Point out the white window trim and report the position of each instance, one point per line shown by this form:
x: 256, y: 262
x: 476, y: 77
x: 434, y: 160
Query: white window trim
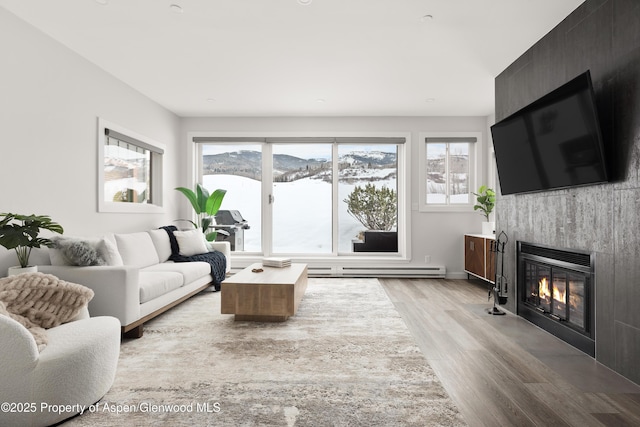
x: 157, y: 174
x: 403, y: 183
x: 474, y: 154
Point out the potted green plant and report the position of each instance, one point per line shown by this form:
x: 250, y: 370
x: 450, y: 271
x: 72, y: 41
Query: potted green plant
x: 205, y: 206
x: 486, y: 201
x: 21, y: 233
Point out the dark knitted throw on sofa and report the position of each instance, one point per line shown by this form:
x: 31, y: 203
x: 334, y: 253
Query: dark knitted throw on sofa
x: 216, y: 259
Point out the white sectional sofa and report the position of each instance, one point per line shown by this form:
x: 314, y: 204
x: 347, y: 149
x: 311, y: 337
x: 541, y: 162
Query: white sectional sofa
x: 138, y: 281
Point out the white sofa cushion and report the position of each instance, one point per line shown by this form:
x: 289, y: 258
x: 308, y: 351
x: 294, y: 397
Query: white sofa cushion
x: 56, y: 257
x: 191, y: 242
x: 162, y: 243
x: 154, y: 284
x: 137, y: 249
x: 191, y: 271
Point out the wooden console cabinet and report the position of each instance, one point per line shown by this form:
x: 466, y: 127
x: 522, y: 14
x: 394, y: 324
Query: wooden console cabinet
x: 479, y: 258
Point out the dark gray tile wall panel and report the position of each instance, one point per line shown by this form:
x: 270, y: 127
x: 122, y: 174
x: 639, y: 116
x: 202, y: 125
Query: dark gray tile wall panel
x: 627, y: 261
x: 603, y: 36
x: 502, y: 86
x: 590, y: 43
x: 626, y: 32
x: 627, y: 351
x: 548, y: 220
x: 589, y: 219
x: 626, y: 128
x: 583, y: 12
x: 605, y: 307
x: 548, y: 59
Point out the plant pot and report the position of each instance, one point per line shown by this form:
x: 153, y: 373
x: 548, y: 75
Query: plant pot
x: 488, y: 228
x: 377, y: 241
x: 19, y: 270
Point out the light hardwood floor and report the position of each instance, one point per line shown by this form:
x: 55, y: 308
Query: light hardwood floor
x: 504, y: 371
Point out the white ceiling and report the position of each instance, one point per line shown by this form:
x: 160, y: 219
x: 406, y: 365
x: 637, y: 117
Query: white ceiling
x: 279, y: 57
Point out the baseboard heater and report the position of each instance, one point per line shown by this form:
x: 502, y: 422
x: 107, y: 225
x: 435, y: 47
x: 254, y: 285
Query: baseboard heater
x: 376, y: 271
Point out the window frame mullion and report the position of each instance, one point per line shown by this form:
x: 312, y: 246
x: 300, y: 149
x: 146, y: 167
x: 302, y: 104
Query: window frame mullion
x: 447, y: 175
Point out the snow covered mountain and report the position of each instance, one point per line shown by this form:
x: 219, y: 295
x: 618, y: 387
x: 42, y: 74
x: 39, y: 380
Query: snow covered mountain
x: 248, y: 163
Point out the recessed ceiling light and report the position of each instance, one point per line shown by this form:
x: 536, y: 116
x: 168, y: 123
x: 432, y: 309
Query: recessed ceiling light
x: 430, y: 100
x: 426, y: 18
x: 305, y: 2
x: 103, y: 2
x: 211, y: 100
x: 320, y: 100
x: 176, y: 8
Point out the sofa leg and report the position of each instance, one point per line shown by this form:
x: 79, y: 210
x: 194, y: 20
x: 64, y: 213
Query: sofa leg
x: 135, y: 332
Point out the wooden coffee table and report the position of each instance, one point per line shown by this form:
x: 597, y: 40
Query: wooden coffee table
x: 269, y: 296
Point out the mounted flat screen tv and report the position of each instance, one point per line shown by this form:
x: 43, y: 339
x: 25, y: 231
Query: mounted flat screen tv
x: 555, y: 142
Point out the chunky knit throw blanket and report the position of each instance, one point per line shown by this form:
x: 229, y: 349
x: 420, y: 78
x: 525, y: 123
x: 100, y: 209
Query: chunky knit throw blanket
x: 41, y: 301
x: 215, y: 259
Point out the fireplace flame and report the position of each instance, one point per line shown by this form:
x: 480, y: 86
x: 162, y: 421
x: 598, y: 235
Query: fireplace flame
x: 560, y: 296
x: 544, y: 290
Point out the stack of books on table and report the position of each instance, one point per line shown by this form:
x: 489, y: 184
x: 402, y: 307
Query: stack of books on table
x: 276, y: 262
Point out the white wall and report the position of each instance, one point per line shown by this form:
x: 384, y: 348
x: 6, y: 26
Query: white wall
x: 438, y: 235
x: 49, y: 104
x: 50, y: 99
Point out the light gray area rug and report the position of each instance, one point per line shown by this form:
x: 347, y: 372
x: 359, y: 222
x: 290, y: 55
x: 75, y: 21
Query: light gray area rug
x: 345, y: 359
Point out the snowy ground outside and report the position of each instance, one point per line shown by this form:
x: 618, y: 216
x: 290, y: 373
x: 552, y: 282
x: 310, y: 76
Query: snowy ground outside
x: 301, y: 212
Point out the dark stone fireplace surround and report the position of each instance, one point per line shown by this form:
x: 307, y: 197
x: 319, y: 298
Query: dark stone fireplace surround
x: 601, y: 36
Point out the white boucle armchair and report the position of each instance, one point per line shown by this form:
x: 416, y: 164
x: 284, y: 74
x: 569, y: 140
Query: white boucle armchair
x: 76, y: 368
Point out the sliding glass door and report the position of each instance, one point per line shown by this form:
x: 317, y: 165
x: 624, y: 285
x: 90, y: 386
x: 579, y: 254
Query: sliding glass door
x: 302, y: 197
x: 367, y: 191
x: 236, y: 168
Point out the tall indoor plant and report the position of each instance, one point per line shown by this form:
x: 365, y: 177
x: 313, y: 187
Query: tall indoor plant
x: 22, y: 233
x: 205, y: 206
x: 486, y: 201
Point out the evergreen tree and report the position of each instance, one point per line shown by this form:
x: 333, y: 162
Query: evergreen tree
x: 375, y: 208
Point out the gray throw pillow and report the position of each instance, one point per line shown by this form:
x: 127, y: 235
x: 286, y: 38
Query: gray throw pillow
x: 79, y: 252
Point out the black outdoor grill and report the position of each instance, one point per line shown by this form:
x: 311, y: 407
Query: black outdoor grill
x: 233, y: 223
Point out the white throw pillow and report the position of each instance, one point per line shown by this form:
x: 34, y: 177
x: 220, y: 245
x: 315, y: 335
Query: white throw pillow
x: 190, y: 242
x: 162, y: 243
x: 108, y: 251
x: 137, y: 249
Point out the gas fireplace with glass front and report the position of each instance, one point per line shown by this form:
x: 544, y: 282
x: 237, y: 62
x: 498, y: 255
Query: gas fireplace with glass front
x: 555, y: 292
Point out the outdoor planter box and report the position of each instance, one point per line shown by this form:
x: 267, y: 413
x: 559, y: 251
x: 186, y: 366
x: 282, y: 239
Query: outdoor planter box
x: 377, y: 241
